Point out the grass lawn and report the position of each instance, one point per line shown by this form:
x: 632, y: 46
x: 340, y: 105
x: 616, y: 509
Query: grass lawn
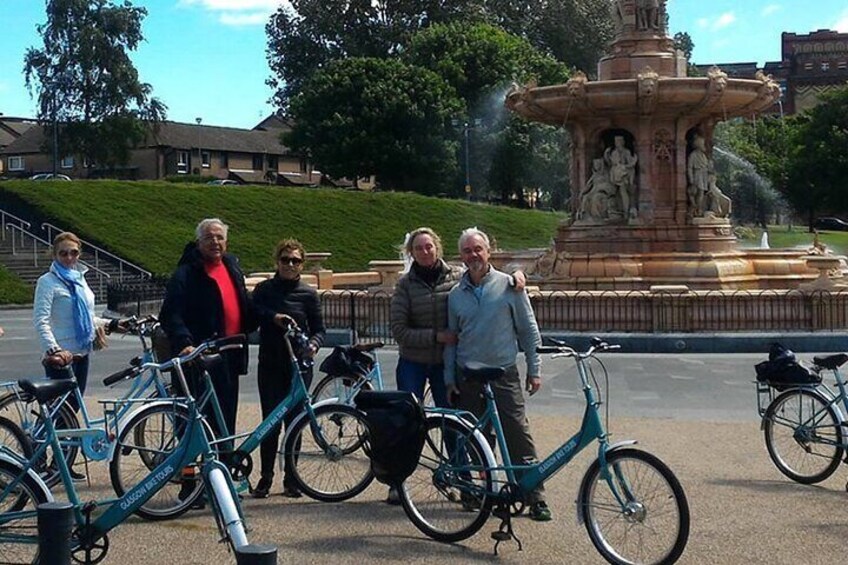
x: 150, y: 222
x: 12, y: 289
x: 799, y: 236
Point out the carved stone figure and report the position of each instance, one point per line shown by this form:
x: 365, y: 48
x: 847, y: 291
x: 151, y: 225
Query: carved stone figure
x: 598, y: 201
x: 717, y: 203
x: 648, y: 15
x: 699, y: 167
x: 622, y: 166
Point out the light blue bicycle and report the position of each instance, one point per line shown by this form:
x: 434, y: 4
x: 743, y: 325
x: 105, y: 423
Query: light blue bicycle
x: 633, y: 507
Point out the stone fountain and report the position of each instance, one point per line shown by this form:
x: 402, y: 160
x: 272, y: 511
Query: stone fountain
x: 646, y: 209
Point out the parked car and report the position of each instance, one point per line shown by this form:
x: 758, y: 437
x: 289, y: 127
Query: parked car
x: 830, y: 224
x: 50, y: 176
x: 220, y: 182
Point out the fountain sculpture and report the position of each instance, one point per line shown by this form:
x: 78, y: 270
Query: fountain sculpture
x: 646, y: 209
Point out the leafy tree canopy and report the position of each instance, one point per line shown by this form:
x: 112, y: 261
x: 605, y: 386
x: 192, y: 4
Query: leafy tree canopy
x: 364, y: 116
x: 86, y: 81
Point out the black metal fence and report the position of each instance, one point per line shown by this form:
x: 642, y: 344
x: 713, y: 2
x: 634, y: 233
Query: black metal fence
x: 367, y: 313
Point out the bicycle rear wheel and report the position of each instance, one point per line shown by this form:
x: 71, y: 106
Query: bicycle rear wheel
x: 341, y: 387
x: 325, y: 456
x: 803, y: 436
x: 144, y: 443
x: 653, y: 524
x: 19, y: 535
x: 13, y: 437
x: 447, y: 496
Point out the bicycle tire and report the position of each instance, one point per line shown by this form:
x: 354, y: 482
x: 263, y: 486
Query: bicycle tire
x: 65, y: 419
x: 13, y: 437
x: 154, y: 430
x: 340, y: 387
x: 656, y: 509
x: 804, y: 453
x: 338, y: 470
x: 443, y: 501
x: 25, y: 498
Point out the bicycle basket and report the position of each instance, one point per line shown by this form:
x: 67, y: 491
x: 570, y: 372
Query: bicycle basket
x: 783, y: 371
x: 347, y: 360
x: 396, y: 430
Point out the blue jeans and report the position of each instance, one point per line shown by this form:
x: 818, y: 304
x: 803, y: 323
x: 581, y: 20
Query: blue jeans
x: 412, y: 376
x: 80, y: 371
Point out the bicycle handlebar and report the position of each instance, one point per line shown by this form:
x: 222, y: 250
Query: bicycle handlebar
x: 207, y: 347
x: 562, y: 350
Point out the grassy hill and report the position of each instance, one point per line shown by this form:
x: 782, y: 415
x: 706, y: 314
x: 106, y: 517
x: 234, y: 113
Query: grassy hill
x: 150, y: 222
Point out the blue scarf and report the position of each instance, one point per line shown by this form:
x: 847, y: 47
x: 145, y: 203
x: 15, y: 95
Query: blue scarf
x: 83, y: 318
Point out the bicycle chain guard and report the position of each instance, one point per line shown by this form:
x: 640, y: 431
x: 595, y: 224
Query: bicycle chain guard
x: 96, y: 447
x: 240, y: 465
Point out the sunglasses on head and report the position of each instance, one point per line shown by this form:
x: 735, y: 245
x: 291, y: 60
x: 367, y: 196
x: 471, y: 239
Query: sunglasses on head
x: 294, y: 261
x: 68, y: 253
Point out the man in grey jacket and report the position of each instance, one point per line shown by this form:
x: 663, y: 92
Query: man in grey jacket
x: 490, y: 320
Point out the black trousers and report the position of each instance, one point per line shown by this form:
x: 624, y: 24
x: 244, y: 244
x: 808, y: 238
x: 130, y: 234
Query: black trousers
x: 225, y: 381
x: 274, y: 386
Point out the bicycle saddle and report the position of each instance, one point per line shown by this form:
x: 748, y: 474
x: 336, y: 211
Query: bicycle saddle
x: 482, y: 373
x: 831, y: 361
x: 46, y: 390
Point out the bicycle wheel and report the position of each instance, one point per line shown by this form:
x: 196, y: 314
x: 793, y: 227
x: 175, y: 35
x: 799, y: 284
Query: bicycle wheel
x: 145, y: 442
x: 341, y: 387
x: 64, y: 419
x: 325, y: 455
x: 13, y: 437
x: 19, y: 535
x: 803, y: 436
x: 447, y: 496
x: 653, y: 525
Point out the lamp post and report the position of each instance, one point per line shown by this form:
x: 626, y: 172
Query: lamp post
x: 466, y: 127
x: 199, y: 155
x: 55, y: 138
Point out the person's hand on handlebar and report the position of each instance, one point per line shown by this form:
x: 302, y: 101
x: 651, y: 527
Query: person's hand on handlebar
x: 284, y: 321
x: 533, y: 384
x: 58, y: 359
x: 186, y: 350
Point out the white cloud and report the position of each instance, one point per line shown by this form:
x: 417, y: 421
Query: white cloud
x: 716, y: 23
x: 841, y: 24
x: 237, y: 12
x: 724, y: 20
x: 770, y: 9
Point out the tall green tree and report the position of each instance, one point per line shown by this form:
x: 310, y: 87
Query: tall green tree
x: 366, y: 116
x: 480, y: 61
x: 305, y: 35
x: 86, y: 82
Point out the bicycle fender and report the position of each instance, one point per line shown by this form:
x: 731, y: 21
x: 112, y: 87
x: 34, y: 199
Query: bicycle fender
x: 484, y: 443
x: 581, y: 517
x: 32, y: 474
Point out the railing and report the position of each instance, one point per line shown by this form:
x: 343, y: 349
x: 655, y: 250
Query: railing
x: 6, y: 218
x: 40, y: 248
x: 367, y: 313
x: 98, y: 252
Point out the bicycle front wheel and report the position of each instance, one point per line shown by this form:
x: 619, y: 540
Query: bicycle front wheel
x: 650, y: 522
x: 325, y: 455
x: 145, y: 442
x: 341, y: 387
x: 19, y: 534
x: 447, y: 496
x: 803, y: 436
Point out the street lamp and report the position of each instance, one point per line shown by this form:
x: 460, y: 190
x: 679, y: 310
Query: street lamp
x: 466, y: 127
x: 199, y: 155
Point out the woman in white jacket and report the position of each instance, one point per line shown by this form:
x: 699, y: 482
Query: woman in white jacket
x: 63, y: 313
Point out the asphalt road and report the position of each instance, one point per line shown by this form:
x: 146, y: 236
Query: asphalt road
x: 696, y: 412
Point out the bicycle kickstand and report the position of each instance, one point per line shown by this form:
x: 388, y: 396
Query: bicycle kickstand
x: 505, y: 531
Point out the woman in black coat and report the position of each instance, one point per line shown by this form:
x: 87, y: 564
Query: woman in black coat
x: 278, y: 302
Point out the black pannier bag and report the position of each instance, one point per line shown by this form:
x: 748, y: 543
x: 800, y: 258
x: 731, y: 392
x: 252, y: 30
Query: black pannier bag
x: 347, y: 360
x: 396, y: 430
x: 783, y: 371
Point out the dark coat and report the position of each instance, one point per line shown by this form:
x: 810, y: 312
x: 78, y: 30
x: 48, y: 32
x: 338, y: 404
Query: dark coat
x: 295, y: 299
x: 193, y: 310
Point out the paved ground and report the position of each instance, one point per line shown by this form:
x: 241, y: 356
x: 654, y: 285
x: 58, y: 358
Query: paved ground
x: 697, y: 412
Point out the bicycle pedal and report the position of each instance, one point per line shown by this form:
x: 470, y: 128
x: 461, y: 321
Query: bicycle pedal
x: 501, y: 536
x: 243, y: 486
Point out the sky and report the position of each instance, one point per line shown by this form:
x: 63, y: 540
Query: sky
x: 206, y: 58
